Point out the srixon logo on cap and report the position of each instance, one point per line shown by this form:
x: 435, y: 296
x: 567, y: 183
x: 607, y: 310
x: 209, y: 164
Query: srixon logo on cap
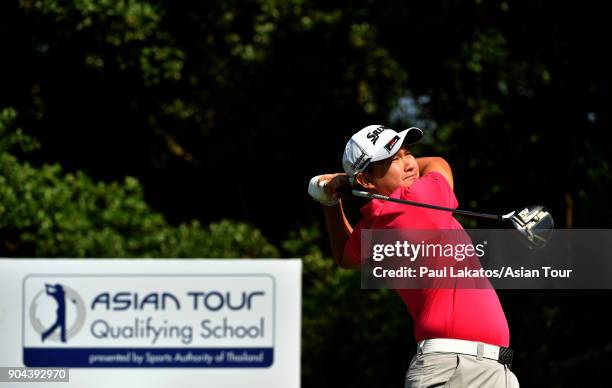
x: 391, y: 143
x: 373, y: 136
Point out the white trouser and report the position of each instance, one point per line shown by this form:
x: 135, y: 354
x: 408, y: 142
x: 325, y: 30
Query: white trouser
x: 458, y: 363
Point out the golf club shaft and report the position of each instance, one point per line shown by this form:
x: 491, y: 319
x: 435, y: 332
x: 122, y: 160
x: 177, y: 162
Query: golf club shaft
x: 365, y: 194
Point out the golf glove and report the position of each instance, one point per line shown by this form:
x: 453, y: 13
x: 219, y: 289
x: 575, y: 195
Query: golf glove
x: 316, y: 190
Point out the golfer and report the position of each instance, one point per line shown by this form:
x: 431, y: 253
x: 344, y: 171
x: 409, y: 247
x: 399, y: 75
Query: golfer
x: 462, y: 334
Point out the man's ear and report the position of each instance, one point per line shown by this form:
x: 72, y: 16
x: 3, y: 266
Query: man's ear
x: 364, y: 180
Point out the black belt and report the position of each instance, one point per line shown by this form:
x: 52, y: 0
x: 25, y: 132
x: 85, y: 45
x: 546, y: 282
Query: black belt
x: 505, y: 356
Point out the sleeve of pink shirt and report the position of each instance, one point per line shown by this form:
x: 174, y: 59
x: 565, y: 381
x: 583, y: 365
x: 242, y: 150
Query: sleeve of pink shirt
x: 432, y: 188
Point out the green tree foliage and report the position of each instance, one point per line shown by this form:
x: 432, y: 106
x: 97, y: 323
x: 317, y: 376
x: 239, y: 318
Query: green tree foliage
x: 45, y: 212
x: 516, y: 90
x: 172, y: 91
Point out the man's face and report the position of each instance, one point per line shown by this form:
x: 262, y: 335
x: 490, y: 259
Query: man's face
x: 387, y: 175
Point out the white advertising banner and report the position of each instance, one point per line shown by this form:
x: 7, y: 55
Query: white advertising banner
x: 154, y: 323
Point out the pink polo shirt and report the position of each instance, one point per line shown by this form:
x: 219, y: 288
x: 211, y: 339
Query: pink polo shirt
x: 459, y: 313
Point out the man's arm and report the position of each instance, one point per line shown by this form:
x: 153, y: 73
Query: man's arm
x: 339, y: 230
x: 429, y: 164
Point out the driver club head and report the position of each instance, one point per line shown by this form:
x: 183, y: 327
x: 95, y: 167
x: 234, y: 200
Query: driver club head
x: 534, y: 224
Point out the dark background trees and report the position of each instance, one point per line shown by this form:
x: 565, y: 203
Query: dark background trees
x: 225, y: 109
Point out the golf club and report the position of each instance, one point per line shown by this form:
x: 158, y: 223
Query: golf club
x: 534, y: 223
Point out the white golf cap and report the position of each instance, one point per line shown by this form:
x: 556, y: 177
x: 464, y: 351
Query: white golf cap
x: 374, y: 143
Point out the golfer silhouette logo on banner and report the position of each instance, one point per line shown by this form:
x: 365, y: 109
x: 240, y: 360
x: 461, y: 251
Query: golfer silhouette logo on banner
x: 67, y: 318
x: 57, y: 292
